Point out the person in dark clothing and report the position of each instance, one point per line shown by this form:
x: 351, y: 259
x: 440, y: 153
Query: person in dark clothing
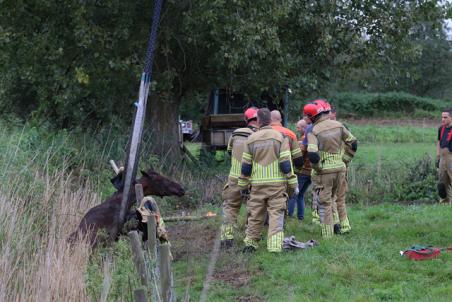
x: 444, y: 156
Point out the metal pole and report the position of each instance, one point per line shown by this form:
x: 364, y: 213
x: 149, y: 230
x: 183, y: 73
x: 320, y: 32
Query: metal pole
x: 286, y: 105
x: 133, y: 152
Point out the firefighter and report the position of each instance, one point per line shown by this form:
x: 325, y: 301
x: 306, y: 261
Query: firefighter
x: 331, y: 112
x: 267, y: 167
x: 444, y: 156
x: 325, y: 152
x: 232, y: 199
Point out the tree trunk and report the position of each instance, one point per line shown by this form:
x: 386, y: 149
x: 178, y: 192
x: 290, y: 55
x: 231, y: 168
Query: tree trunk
x: 163, y: 125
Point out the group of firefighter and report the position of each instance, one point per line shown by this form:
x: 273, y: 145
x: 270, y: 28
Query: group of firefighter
x: 271, y: 169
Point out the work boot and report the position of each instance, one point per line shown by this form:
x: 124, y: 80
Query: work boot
x: 249, y: 249
x: 227, y: 244
x: 337, y: 228
x: 250, y: 243
x: 345, y: 226
x: 327, y: 230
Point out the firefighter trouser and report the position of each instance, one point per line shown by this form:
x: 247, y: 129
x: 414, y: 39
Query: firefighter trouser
x: 329, y: 187
x: 232, y: 201
x: 271, y: 199
x: 445, y: 174
x: 315, y: 208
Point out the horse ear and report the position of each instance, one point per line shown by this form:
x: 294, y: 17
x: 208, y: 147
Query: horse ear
x: 145, y: 174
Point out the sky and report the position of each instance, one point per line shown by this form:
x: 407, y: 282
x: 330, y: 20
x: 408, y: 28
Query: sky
x: 449, y: 25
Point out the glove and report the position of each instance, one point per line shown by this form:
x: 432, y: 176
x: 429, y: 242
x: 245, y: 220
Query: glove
x: 245, y: 193
x: 292, y: 191
x: 437, y: 163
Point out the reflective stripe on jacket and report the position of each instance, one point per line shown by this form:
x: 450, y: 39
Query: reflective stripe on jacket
x: 235, y: 148
x: 266, y: 159
x: 327, y: 139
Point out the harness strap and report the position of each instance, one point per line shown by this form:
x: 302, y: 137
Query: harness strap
x: 449, y: 136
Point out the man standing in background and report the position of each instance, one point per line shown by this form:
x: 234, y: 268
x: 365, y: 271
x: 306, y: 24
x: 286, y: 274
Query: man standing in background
x: 444, y: 156
x: 303, y: 175
x: 295, y: 151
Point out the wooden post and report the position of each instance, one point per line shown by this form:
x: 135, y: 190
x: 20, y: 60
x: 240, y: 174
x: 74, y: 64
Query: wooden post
x: 138, y: 257
x: 165, y: 273
x: 140, y: 295
x: 114, y: 166
x: 139, y: 193
x: 107, y: 278
x: 152, y: 237
x: 187, y: 218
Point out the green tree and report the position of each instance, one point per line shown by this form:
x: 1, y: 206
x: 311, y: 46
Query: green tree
x: 79, y: 62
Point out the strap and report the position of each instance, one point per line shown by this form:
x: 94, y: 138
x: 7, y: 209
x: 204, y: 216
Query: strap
x: 422, y: 250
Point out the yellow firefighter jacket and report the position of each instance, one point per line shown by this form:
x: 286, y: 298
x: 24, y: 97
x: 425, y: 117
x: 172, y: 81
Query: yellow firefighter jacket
x: 266, y: 160
x: 330, y: 144
x: 235, y: 148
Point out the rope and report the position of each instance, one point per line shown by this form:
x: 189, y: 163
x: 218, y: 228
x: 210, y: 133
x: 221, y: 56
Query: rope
x: 211, y: 268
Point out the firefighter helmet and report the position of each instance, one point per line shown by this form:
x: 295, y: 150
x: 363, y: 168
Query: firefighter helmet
x: 311, y: 110
x: 323, y: 104
x: 250, y: 113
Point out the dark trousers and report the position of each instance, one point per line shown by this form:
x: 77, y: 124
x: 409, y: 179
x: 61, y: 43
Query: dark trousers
x: 303, y: 184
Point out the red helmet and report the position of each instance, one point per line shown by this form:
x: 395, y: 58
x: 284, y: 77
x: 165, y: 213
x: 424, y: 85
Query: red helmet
x: 312, y: 110
x: 250, y: 113
x: 323, y: 104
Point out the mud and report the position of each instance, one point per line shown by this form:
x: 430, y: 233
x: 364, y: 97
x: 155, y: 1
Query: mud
x: 191, y: 239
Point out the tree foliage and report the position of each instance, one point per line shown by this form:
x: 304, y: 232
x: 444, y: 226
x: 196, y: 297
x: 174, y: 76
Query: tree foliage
x: 78, y: 62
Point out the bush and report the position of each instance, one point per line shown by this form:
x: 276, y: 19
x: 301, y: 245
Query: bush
x: 392, y: 104
x: 401, y: 181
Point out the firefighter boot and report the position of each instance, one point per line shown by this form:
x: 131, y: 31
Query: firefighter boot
x: 327, y: 230
x: 227, y: 235
x: 336, y: 221
x: 345, y: 226
x: 275, y: 242
x: 251, y: 245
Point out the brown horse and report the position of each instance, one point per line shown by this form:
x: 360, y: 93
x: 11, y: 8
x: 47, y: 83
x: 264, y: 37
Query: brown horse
x: 105, y: 216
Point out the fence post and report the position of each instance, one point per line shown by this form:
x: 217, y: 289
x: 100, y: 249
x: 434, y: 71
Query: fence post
x: 106, y: 284
x: 165, y: 273
x: 138, y: 256
x: 139, y: 193
x: 152, y: 237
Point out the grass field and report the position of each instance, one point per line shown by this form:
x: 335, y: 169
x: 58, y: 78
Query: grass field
x: 362, y: 266
x: 49, y: 179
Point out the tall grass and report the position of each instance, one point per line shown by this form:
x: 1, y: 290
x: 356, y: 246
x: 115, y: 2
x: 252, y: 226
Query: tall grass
x: 36, y: 262
x: 48, y: 180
